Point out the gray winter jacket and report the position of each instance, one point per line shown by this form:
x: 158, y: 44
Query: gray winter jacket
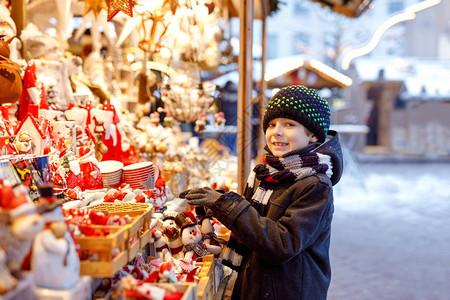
x: 289, y: 248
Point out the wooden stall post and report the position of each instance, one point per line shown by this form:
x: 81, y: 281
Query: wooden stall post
x: 18, y: 14
x: 245, y: 60
x: 262, y: 97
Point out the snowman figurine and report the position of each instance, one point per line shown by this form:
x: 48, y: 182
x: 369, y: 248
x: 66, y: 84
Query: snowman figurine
x: 161, y: 247
x: 172, y: 234
x: 193, y: 246
x: 209, y: 237
x: 54, y: 258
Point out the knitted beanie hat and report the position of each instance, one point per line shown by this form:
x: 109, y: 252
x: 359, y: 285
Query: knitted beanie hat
x: 300, y: 104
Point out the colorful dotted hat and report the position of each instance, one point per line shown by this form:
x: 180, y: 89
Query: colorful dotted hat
x: 301, y: 104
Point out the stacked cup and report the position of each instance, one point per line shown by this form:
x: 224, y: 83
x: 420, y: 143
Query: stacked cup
x: 111, y: 172
x: 136, y: 174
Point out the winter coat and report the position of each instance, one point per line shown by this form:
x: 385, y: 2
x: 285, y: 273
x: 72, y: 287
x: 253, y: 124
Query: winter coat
x: 289, y: 248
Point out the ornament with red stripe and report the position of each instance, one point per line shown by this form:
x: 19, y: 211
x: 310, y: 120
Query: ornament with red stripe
x: 114, y: 6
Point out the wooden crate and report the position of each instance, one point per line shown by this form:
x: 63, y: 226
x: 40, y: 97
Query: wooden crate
x: 139, y: 229
x: 224, y: 233
x: 206, y: 286
x: 106, y: 265
x: 189, y: 290
x: 145, y: 237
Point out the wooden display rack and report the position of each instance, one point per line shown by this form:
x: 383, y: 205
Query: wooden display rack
x: 107, y: 265
x: 139, y: 230
x: 129, y: 239
x: 206, y: 290
x: 189, y: 290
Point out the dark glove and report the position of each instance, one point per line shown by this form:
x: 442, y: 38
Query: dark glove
x: 184, y: 193
x: 204, y: 196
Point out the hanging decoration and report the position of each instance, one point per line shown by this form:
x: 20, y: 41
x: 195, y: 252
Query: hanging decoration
x: 174, y: 4
x: 114, y: 6
x: 95, y: 5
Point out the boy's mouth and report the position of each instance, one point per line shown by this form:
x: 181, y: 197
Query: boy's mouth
x: 280, y: 144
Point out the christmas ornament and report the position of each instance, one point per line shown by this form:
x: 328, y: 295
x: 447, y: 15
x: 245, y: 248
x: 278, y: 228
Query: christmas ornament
x: 95, y: 5
x: 114, y: 6
x: 10, y: 79
x: 173, y: 5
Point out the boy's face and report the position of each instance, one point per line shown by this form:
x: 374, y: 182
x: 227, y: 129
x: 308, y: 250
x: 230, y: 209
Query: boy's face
x: 286, y: 135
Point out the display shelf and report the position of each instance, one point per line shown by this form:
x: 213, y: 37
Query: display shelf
x: 81, y: 291
x: 23, y: 290
x: 189, y: 291
x: 206, y: 286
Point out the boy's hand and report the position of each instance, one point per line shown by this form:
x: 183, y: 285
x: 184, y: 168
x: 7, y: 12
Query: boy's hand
x: 204, y: 196
x: 184, y: 193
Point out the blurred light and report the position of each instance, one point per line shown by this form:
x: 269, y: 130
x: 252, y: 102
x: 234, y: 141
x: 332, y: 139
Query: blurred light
x: 274, y: 91
x: 51, y: 31
x: 278, y: 72
x: 324, y: 69
x: 408, y: 14
x: 130, y: 57
x: 154, y: 66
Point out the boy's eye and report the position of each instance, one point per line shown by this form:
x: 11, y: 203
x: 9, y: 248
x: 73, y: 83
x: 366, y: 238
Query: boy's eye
x: 289, y: 124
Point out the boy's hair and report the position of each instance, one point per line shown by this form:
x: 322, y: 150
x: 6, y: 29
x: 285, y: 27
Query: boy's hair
x: 300, y: 104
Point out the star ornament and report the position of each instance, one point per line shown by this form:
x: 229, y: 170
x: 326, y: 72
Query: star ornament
x: 149, y: 183
x: 95, y: 5
x: 114, y: 6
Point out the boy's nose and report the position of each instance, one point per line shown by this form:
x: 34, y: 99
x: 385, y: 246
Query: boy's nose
x: 278, y: 130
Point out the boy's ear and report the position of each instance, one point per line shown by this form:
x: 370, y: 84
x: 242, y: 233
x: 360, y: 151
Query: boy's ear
x: 313, y: 139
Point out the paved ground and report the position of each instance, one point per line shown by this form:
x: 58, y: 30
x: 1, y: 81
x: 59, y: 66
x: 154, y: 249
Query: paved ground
x: 391, y: 240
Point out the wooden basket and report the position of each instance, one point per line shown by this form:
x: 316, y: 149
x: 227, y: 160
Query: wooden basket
x: 120, y: 207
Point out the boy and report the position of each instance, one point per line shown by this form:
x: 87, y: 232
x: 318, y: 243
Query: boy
x: 281, y: 226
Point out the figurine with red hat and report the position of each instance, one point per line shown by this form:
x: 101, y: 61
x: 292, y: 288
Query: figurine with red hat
x: 172, y: 234
x: 209, y: 237
x: 19, y: 224
x: 191, y: 236
x: 71, y: 165
x: 92, y: 178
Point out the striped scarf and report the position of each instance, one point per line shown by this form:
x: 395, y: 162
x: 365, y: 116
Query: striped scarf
x: 278, y: 170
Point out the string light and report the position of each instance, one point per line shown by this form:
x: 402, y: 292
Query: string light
x: 408, y: 14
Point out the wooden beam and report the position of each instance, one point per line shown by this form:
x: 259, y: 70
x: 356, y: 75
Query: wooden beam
x: 18, y: 14
x: 245, y: 60
x: 262, y: 97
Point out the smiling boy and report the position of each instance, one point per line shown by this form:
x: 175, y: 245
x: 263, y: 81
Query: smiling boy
x: 281, y: 226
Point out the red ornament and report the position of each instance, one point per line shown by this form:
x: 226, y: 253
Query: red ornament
x: 114, y: 6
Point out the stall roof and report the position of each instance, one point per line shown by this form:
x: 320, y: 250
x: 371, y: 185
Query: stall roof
x: 422, y: 78
x: 313, y: 73
x: 262, y: 8
x: 351, y: 9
